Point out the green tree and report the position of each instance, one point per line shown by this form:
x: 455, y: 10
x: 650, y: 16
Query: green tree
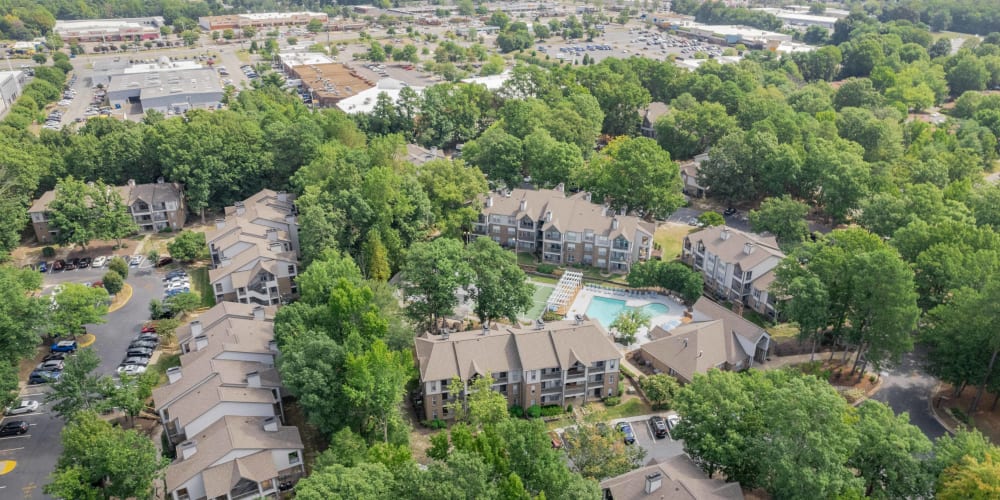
x: 453, y: 190
x: 889, y: 454
x: 374, y: 385
x: 634, y: 175
x: 375, y: 52
x: 376, y: 261
x: 100, y: 460
x: 498, y: 154
x: 966, y: 72
x: 500, y: 287
x: 188, y: 246
x: 783, y: 217
x: 711, y: 219
x: 113, y: 282
x: 112, y: 219
x: 548, y: 161
x: 432, y: 274
x: 482, y: 406
x: 118, y: 265
x: 131, y: 393
x: 809, y: 310
x: 182, y: 302
x: 314, y: 26
x: 77, y: 305
x: 627, y: 324
x: 190, y: 37
x: 78, y: 389
x: 692, y: 127
x: 71, y: 213
x: 600, y: 455
x: 660, y: 389
x: 971, y: 479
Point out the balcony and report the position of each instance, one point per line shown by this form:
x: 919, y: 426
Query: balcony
x: 552, y: 376
x: 619, y: 257
x: 575, y: 376
x: 588, y: 238
x: 256, y: 297
x: 526, y: 225
x: 479, y: 229
x: 553, y: 247
x: 548, y: 391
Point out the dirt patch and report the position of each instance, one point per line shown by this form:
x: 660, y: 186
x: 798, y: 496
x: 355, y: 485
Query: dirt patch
x: 32, y: 253
x: 854, y: 388
x: 314, y: 442
x: 953, y: 410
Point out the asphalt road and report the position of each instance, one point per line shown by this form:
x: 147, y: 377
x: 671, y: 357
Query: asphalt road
x: 37, y: 451
x: 907, y: 388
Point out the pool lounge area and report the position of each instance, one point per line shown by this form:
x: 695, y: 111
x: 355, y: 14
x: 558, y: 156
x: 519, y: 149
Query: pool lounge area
x: 604, y: 304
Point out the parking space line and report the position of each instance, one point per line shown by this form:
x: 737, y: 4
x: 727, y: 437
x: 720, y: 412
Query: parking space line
x: 11, y: 449
x: 16, y: 437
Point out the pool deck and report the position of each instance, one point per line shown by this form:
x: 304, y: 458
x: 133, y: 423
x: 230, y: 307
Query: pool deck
x: 675, y: 315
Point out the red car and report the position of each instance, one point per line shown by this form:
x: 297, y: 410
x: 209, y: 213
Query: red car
x: 149, y: 328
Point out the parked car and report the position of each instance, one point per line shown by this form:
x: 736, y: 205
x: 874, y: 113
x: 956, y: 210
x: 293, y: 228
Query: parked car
x: 71, y: 264
x: 43, y: 377
x: 135, y: 360
x: 54, y: 355
x: 43, y: 266
x: 176, y: 273
x: 672, y: 421
x: 148, y: 328
x: 14, y: 428
x: 166, y: 259
x: 99, y: 262
x: 626, y: 429
x: 659, y: 426
x: 143, y: 344
x: 139, y: 352
x: 59, y: 265
x: 84, y: 262
x: 131, y: 369
x: 147, y: 337
x: 50, y: 365
x: 64, y: 346
x: 136, y: 261
x: 22, y: 407
x: 729, y: 211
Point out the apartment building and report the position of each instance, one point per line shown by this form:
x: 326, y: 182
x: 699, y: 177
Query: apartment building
x: 716, y: 337
x: 565, y: 229
x: 222, y: 409
x: 556, y: 363
x: 154, y: 207
x: 676, y: 478
x: 735, y: 265
x: 255, y: 250
x: 650, y: 116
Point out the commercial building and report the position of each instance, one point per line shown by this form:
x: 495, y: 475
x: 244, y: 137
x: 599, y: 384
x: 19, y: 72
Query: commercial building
x: 329, y: 83
x: 734, y: 34
x: 108, y: 30
x: 677, y: 478
x: 255, y: 250
x: 364, y: 101
x: 260, y: 20
x: 555, y: 363
x: 166, y: 89
x: 153, y: 207
x: 565, y: 230
x: 799, y: 18
x: 222, y: 408
x: 736, y: 265
x: 11, y: 83
x: 715, y: 337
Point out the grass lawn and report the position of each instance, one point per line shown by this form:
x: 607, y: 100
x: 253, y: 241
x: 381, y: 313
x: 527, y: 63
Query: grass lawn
x: 526, y: 259
x: 201, y: 285
x: 629, y: 408
x: 543, y: 279
x: 670, y: 238
x: 783, y: 331
x: 165, y: 362
x: 538, y: 301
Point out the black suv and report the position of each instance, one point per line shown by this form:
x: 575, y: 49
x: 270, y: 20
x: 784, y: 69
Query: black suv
x: 14, y: 428
x: 659, y: 426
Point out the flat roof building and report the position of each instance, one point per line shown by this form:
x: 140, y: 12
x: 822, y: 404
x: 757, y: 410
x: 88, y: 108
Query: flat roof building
x: 260, y: 20
x: 364, y: 102
x: 167, y: 90
x: 11, y: 84
x: 733, y: 34
x: 105, y: 30
x: 329, y: 83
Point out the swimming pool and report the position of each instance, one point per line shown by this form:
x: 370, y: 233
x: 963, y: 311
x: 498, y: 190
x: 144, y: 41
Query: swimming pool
x: 605, y: 309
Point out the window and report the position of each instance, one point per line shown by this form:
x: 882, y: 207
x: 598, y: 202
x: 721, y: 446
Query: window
x: 291, y: 269
x: 293, y: 457
x: 218, y: 288
x: 266, y: 484
x: 496, y: 229
x: 182, y: 494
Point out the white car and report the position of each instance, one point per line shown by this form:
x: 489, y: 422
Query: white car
x: 25, y: 406
x: 131, y: 369
x: 99, y: 262
x: 136, y: 261
x: 672, y: 421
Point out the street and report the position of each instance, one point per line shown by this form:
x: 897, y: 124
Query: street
x: 907, y: 388
x: 37, y: 451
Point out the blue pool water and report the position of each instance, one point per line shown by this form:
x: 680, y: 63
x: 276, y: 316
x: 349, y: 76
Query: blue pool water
x: 605, y: 310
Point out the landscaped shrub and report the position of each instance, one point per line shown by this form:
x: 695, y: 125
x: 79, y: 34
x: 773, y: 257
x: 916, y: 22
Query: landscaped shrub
x: 546, y: 268
x: 534, y: 411
x: 516, y: 411
x: 625, y: 371
x: 48, y: 252
x: 569, y: 408
x: 612, y: 401
x: 551, y: 410
x: 551, y: 316
x: 437, y: 423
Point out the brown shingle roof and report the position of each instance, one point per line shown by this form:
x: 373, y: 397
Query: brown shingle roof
x: 569, y: 213
x: 149, y: 193
x: 730, y: 245
x: 681, y: 480
x: 560, y: 344
x: 693, y: 348
x: 226, y: 435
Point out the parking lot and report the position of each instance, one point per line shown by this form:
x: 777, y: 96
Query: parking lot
x: 37, y: 451
x: 659, y: 449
